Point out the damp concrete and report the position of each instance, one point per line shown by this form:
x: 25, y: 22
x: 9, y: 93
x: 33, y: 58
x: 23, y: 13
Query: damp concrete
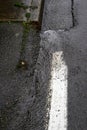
x: 56, y: 59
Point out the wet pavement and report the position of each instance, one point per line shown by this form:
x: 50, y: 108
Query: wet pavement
x: 26, y: 94
x: 21, y: 10
x: 17, y: 91
x: 13, y: 10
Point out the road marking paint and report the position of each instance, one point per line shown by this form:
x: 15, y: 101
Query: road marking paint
x: 58, y: 112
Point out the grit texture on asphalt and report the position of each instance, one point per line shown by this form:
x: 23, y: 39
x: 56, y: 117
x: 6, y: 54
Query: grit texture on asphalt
x: 25, y: 94
x: 19, y: 106
x: 73, y: 34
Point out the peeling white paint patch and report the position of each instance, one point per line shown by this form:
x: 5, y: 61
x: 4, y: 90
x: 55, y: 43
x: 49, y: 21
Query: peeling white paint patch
x: 58, y: 112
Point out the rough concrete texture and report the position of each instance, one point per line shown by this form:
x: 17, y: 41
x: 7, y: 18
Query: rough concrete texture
x: 18, y: 105
x: 26, y: 95
x: 11, y: 10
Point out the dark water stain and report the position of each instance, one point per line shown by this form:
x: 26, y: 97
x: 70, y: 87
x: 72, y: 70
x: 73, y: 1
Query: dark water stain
x: 8, y: 10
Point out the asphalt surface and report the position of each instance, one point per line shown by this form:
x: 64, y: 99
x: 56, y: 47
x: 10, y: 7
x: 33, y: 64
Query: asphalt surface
x: 71, y: 25
x: 25, y: 94
x: 17, y: 93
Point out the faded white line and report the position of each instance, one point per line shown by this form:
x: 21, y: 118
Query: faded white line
x: 58, y: 112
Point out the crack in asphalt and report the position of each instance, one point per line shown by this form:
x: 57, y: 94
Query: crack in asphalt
x: 74, y: 21
x: 72, y: 12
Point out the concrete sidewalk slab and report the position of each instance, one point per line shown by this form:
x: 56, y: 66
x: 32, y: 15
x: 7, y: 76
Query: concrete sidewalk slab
x: 24, y: 10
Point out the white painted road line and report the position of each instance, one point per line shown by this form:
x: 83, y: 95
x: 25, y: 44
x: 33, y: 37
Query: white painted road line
x: 51, y: 45
x: 58, y: 112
